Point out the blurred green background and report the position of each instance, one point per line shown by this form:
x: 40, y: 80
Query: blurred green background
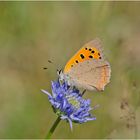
x: 33, y: 32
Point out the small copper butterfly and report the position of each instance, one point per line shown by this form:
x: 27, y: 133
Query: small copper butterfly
x: 88, y: 68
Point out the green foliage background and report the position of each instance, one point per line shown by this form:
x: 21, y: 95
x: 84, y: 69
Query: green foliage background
x: 33, y: 32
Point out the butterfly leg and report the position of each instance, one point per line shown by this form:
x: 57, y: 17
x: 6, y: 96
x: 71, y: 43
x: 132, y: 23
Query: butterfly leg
x: 83, y: 92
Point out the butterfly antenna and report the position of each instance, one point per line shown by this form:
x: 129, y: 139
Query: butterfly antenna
x: 51, y: 62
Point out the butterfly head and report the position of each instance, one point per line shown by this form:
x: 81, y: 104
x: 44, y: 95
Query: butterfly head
x: 65, y: 78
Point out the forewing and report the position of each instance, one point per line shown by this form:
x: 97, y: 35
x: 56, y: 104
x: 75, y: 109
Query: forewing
x: 91, y: 50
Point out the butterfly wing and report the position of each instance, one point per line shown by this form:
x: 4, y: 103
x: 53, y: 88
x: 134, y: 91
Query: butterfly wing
x: 88, y: 67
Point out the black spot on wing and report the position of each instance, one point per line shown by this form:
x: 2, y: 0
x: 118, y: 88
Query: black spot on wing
x: 90, y: 56
x: 76, y: 61
x: 82, y: 56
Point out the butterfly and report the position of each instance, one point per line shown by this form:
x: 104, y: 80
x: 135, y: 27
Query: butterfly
x: 88, y: 68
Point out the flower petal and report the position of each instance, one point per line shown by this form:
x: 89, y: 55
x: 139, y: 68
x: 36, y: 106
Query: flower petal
x: 46, y: 92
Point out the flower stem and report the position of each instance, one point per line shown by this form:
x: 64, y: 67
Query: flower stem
x: 49, y: 134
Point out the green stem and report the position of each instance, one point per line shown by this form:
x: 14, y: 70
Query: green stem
x: 49, y: 134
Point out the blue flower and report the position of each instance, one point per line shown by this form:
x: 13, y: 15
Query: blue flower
x: 69, y: 104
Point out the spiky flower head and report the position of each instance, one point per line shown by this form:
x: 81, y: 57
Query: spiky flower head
x: 69, y: 104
